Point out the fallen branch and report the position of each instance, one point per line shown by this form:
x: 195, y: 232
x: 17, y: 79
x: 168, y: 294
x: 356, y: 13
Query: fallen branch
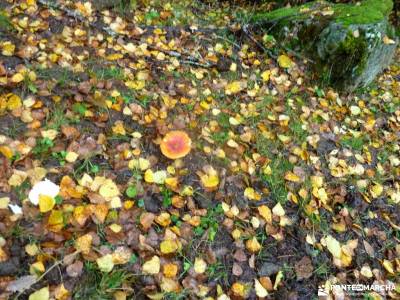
x: 56, y: 264
x: 254, y: 40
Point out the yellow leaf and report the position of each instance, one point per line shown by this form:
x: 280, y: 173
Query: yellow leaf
x: 118, y: 128
x: 278, y: 210
x: 71, y: 156
x: 152, y: 266
x: 46, y: 203
x: 376, y: 190
x: 50, y: 134
x: 253, y: 245
x: 200, y: 265
x: 284, y: 138
x: 251, y: 194
x: 42, y: 294
x: 260, y: 290
x: 32, y: 249
x: 233, y: 88
x: 105, y: 263
x: 148, y: 176
x: 169, y: 285
x: 239, y: 289
x: 172, y: 182
x: 6, y: 151
x: 4, y: 201
x: 284, y: 61
x: 164, y: 219
x: 8, y: 49
x: 317, y: 181
x: 13, y: 102
x: 109, y: 189
x: 265, y: 75
x: 388, y: 266
x: 209, y: 181
x: 388, y: 41
x: 84, y: 243
x: 290, y: 176
x: 16, y: 78
x: 170, y: 270
x: 333, y: 246
x: 115, y: 227
x: 159, y: 176
x: 37, y: 268
x: 168, y: 246
x: 265, y: 212
x: 56, y: 221
x: 366, y: 272
x: 61, y: 293
x: 278, y: 279
x: 114, y: 56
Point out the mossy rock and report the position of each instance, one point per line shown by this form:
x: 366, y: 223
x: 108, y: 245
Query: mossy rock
x: 351, y: 43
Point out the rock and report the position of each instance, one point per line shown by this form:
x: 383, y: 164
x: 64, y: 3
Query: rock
x: 9, y: 268
x: 152, y: 203
x: 349, y: 43
x: 268, y: 269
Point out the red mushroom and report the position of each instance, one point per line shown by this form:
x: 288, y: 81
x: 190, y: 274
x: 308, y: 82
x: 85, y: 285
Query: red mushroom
x: 176, y: 144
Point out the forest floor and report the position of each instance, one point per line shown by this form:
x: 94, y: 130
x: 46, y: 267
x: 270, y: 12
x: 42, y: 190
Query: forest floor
x: 288, y: 185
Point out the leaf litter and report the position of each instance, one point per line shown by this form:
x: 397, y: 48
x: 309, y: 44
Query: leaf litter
x: 143, y: 160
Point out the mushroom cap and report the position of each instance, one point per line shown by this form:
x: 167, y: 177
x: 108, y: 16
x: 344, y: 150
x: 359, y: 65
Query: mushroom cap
x: 176, y: 144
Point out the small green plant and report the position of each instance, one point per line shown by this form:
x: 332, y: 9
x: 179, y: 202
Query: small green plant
x: 79, y: 108
x: 99, y: 285
x: 109, y: 73
x: 43, y: 146
x: 22, y: 190
x: 355, y: 143
x: 60, y: 156
x: 167, y: 197
x: 5, y: 22
x: 210, y: 222
x: 275, y: 181
x: 220, y: 137
x: 131, y: 191
x: 217, y: 272
x: 86, y: 166
x: 56, y: 118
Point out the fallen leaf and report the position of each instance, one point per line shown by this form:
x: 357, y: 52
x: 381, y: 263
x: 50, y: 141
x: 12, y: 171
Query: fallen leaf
x: 46, y: 203
x: 105, y: 263
x: 200, y: 265
x: 284, y: 61
x: 333, y: 246
x: 152, y: 266
x: 42, y: 294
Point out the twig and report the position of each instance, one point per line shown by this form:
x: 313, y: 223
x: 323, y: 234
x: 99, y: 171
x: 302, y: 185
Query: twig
x: 259, y: 45
x: 56, y: 264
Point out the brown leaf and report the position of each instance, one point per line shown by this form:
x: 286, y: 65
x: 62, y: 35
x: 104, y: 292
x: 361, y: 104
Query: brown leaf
x: 240, y: 255
x: 146, y: 219
x: 70, y: 132
x: 237, y: 269
x: 369, y: 249
x: 304, y: 268
x: 75, y: 269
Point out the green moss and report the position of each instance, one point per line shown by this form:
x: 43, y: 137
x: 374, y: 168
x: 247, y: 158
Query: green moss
x: 286, y: 12
x: 353, y: 55
x: 369, y: 11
